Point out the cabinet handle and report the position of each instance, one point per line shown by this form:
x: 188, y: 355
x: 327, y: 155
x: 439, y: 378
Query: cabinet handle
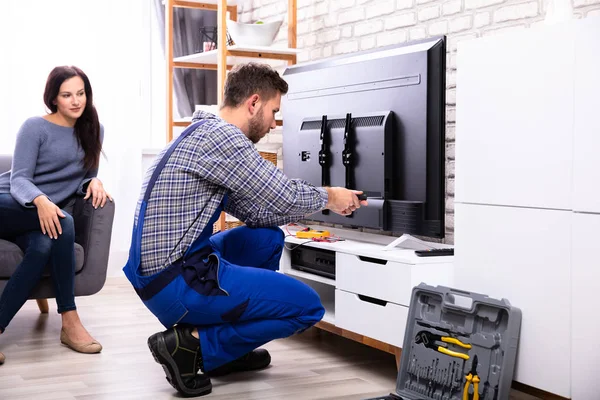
x: 372, y: 260
x: 372, y: 300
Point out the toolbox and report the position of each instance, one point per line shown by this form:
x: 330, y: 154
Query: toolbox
x: 458, y: 346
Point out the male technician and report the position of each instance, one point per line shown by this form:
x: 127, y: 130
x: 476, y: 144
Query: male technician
x: 220, y: 296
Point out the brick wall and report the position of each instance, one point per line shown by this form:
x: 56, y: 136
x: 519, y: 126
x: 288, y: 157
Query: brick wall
x: 330, y: 27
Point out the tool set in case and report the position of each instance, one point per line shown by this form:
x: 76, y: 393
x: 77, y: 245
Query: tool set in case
x: 458, y: 346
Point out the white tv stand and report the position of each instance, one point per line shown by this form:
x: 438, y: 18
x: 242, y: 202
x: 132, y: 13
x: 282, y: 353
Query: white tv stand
x: 369, y: 298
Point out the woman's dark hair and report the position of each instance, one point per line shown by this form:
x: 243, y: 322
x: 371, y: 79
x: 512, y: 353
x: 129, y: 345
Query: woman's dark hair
x: 87, y: 127
x: 246, y: 79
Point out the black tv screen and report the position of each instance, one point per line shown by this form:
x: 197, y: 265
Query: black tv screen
x: 373, y: 121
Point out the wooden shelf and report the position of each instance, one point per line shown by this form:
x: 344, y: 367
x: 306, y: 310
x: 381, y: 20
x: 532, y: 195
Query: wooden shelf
x: 237, y: 55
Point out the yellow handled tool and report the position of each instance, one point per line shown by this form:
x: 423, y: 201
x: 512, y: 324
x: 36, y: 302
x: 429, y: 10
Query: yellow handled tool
x: 453, y: 353
x: 472, y: 378
x: 428, y: 339
x: 455, y: 341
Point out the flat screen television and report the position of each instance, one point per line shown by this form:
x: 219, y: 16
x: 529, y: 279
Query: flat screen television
x: 373, y: 121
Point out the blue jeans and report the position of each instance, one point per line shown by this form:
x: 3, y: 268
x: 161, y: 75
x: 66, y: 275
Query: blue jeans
x: 261, y: 304
x: 22, y: 226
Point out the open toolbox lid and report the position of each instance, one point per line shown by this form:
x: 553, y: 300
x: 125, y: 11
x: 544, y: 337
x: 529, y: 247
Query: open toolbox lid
x: 446, y: 330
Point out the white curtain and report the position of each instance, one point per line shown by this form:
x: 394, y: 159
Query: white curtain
x: 110, y: 41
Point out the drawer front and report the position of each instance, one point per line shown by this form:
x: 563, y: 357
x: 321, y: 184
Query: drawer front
x: 386, y: 323
x: 387, y: 280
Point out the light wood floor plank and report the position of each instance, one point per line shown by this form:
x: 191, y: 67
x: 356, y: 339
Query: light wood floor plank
x: 311, y: 366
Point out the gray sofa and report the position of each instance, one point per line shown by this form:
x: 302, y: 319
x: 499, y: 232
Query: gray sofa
x: 93, y: 229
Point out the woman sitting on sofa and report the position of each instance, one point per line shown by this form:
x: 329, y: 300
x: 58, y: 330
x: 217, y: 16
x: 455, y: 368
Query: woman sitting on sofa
x: 56, y: 158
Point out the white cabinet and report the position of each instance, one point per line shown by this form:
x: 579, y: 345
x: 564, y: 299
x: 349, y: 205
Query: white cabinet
x: 370, y: 294
x: 585, y: 283
x: 586, y: 185
x: 514, y: 119
x: 523, y: 255
x: 527, y: 206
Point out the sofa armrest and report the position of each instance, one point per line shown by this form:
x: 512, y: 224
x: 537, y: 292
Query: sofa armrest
x: 93, y: 231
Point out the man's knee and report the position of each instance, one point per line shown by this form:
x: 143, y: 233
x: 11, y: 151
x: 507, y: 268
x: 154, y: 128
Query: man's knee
x: 313, y: 310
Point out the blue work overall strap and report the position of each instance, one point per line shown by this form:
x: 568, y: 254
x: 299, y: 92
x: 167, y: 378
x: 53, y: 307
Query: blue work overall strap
x: 170, y: 273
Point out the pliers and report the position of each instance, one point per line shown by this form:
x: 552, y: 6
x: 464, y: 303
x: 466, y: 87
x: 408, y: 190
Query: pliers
x: 473, y: 378
x: 428, y: 339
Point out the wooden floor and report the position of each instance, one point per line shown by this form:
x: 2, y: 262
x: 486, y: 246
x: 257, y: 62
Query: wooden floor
x: 314, y: 365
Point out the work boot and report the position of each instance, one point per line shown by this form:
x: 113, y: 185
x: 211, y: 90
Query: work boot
x: 179, y: 353
x: 255, y: 360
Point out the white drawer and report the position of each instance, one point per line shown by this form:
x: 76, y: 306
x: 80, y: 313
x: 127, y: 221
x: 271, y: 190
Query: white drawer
x: 383, y: 322
x: 388, y: 280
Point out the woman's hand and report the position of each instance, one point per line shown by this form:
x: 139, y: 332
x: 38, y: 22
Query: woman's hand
x: 48, y: 213
x: 99, y: 195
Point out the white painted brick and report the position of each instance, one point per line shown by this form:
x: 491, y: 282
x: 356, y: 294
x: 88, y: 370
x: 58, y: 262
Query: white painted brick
x: 327, y: 51
x: 516, y: 11
x: 449, y: 203
x: 316, y: 25
x: 460, y: 24
x: 367, y: 43
x: 305, y: 13
x: 450, y: 114
x: 451, y: 132
x: 367, y: 28
x: 449, y: 237
x: 580, y: 3
x: 302, y: 28
x: 450, y: 170
x: 417, y: 33
x: 453, y: 40
x: 470, y: 4
x: 256, y: 14
x: 246, y: 18
x: 451, y: 79
x: 387, y: 38
x: 503, y: 30
x: 451, y: 151
x: 380, y: 8
x: 451, y: 61
x: 451, y: 97
x: 341, y: 4
x: 317, y: 53
x: 309, y: 40
x: 593, y: 13
x: 404, y: 4
x: 299, y: 3
x: 428, y: 13
x: 451, y: 7
x: 345, y: 47
x: 303, y: 56
x: 450, y: 222
x: 361, y: 2
x: 400, y: 21
x: 347, y: 32
x: 351, y: 16
x: 481, y: 19
x: 321, y: 9
x: 424, y: 1
x: 330, y: 20
x: 438, y: 28
x: 272, y: 9
x: 450, y: 187
x: 329, y: 36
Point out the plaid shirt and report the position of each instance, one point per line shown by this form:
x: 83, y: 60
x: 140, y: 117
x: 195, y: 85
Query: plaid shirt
x: 215, y: 160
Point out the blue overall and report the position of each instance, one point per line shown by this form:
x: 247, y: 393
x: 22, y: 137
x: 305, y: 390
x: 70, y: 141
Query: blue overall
x: 226, y: 285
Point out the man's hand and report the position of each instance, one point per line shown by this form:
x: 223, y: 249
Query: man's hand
x: 343, y: 201
x: 99, y: 195
x: 48, y: 212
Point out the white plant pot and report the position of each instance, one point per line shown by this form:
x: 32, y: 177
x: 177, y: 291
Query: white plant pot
x: 253, y: 34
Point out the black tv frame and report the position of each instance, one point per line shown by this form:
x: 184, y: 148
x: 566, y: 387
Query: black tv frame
x: 405, y: 82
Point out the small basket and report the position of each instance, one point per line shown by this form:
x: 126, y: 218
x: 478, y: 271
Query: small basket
x: 234, y: 224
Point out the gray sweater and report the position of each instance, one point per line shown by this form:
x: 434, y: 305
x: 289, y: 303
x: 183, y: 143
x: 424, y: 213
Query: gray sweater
x: 47, y: 161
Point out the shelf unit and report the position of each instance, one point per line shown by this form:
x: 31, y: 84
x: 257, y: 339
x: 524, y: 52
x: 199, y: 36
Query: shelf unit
x: 224, y: 57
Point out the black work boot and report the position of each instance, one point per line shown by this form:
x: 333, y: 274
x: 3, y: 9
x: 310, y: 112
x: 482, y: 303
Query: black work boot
x: 255, y: 360
x: 179, y: 353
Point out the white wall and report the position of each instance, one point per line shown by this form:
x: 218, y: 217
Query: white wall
x: 110, y: 41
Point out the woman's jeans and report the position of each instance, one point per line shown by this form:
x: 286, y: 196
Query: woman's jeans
x: 21, y: 225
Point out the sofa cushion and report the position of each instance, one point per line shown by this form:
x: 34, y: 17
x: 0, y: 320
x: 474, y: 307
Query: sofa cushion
x: 11, y: 255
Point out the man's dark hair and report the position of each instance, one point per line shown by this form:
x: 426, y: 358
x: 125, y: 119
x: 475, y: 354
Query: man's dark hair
x: 244, y: 80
